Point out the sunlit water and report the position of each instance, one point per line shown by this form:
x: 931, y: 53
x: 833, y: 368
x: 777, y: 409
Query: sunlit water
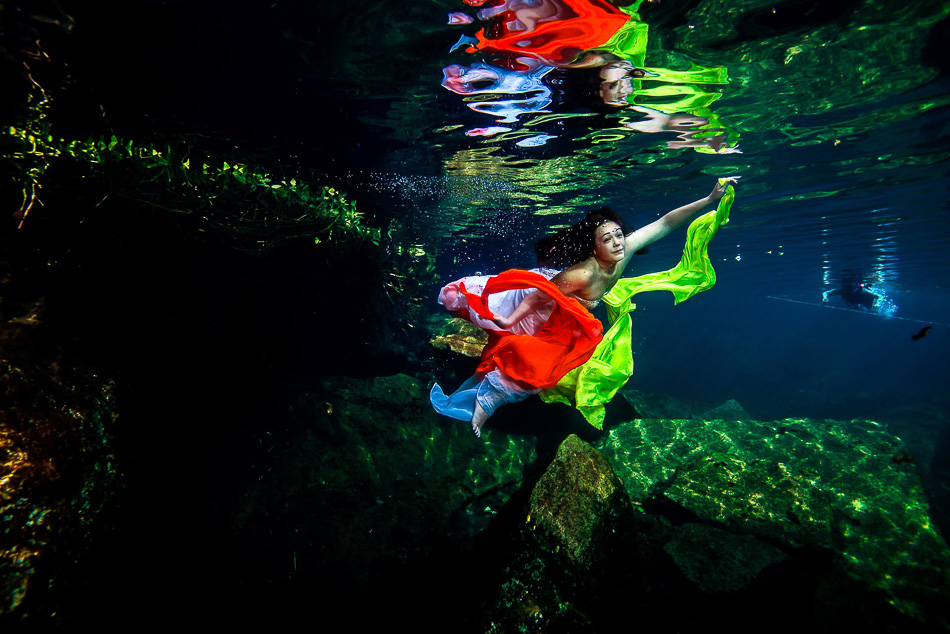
x: 839, y: 113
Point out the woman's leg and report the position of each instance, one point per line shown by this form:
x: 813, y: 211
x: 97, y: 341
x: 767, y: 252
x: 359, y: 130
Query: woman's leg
x: 478, y: 419
x: 495, y: 390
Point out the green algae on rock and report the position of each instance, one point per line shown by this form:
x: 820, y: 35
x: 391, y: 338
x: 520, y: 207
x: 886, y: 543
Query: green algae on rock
x: 798, y: 482
x: 577, y: 525
x: 367, y: 475
x: 253, y: 207
x: 577, y: 501
x: 757, y: 497
x: 460, y: 335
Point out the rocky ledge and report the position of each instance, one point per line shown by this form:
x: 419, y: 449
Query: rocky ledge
x: 791, y: 524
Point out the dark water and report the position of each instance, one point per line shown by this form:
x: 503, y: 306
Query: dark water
x: 839, y: 112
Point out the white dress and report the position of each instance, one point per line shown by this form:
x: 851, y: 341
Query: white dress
x: 492, y: 389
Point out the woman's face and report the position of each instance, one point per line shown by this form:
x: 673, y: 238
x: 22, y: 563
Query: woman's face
x: 615, y: 93
x: 609, y: 242
x: 616, y: 83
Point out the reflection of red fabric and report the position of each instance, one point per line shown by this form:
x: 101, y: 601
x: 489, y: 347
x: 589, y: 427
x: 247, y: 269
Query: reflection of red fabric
x: 559, y: 41
x: 566, y: 341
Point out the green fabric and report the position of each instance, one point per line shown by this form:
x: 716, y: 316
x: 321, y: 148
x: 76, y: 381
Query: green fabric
x: 594, y: 384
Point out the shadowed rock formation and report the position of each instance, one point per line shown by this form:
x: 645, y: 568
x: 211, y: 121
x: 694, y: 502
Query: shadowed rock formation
x: 803, y: 485
x: 57, y: 469
x: 807, y: 523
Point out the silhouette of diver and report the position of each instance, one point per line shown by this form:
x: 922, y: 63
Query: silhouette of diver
x: 854, y: 292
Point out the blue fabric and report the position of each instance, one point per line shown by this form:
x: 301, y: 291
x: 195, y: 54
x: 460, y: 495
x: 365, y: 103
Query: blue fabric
x: 491, y: 391
x: 461, y: 404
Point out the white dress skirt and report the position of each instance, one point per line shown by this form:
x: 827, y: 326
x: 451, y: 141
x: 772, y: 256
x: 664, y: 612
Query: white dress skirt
x: 492, y: 389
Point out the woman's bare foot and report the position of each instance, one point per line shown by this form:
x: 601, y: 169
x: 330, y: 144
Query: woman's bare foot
x: 478, y: 420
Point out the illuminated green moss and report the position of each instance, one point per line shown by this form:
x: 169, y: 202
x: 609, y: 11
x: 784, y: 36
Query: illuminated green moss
x: 253, y: 207
x: 840, y: 486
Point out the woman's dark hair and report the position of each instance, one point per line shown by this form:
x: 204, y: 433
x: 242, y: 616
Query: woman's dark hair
x: 577, y: 89
x: 574, y: 244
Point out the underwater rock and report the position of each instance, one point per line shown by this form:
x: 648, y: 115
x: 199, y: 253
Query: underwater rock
x: 461, y: 336
x: 57, y: 469
x: 925, y: 429
x: 823, y: 484
x: 649, y: 405
x: 368, y: 476
x: 730, y: 410
x: 576, y: 527
x: 717, y: 560
x: 757, y: 497
x: 577, y: 501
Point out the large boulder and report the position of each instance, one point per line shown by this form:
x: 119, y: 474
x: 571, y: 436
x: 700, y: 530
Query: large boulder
x: 802, y: 485
x: 576, y: 529
x: 757, y: 496
x: 578, y: 503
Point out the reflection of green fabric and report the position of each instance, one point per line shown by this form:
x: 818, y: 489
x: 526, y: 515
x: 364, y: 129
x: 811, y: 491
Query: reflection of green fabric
x: 695, y: 75
x: 592, y: 385
x: 672, y: 98
x: 630, y: 42
x: 677, y: 90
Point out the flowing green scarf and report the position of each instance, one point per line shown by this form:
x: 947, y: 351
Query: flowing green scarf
x: 592, y: 385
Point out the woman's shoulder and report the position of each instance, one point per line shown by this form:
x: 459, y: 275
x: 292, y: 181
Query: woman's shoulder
x: 575, y: 278
x: 582, y: 270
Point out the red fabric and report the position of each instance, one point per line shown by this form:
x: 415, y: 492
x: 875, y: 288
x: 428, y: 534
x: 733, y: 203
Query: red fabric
x: 559, y: 41
x: 566, y: 341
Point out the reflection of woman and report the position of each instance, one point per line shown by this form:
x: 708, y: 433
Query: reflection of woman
x: 554, y: 31
x: 616, y: 82
x: 538, y: 321
x: 611, y: 81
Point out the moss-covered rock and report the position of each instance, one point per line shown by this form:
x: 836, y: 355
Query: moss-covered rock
x: 368, y: 475
x: 758, y: 497
x: 576, y: 529
x: 842, y: 487
x: 459, y: 336
x: 577, y: 502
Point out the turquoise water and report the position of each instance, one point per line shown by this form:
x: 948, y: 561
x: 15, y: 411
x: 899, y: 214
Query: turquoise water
x: 200, y: 329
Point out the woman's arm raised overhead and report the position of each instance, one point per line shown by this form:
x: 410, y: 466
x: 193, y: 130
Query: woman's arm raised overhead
x: 671, y: 220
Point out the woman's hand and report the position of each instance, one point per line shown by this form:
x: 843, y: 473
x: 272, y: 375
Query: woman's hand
x: 720, y: 189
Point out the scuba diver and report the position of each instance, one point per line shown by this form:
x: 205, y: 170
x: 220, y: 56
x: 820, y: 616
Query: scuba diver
x: 854, y: 292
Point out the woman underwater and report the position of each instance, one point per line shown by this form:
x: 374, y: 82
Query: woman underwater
x: 538, y: 321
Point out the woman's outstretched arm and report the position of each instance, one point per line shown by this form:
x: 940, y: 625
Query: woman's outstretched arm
x: 673, y: 219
